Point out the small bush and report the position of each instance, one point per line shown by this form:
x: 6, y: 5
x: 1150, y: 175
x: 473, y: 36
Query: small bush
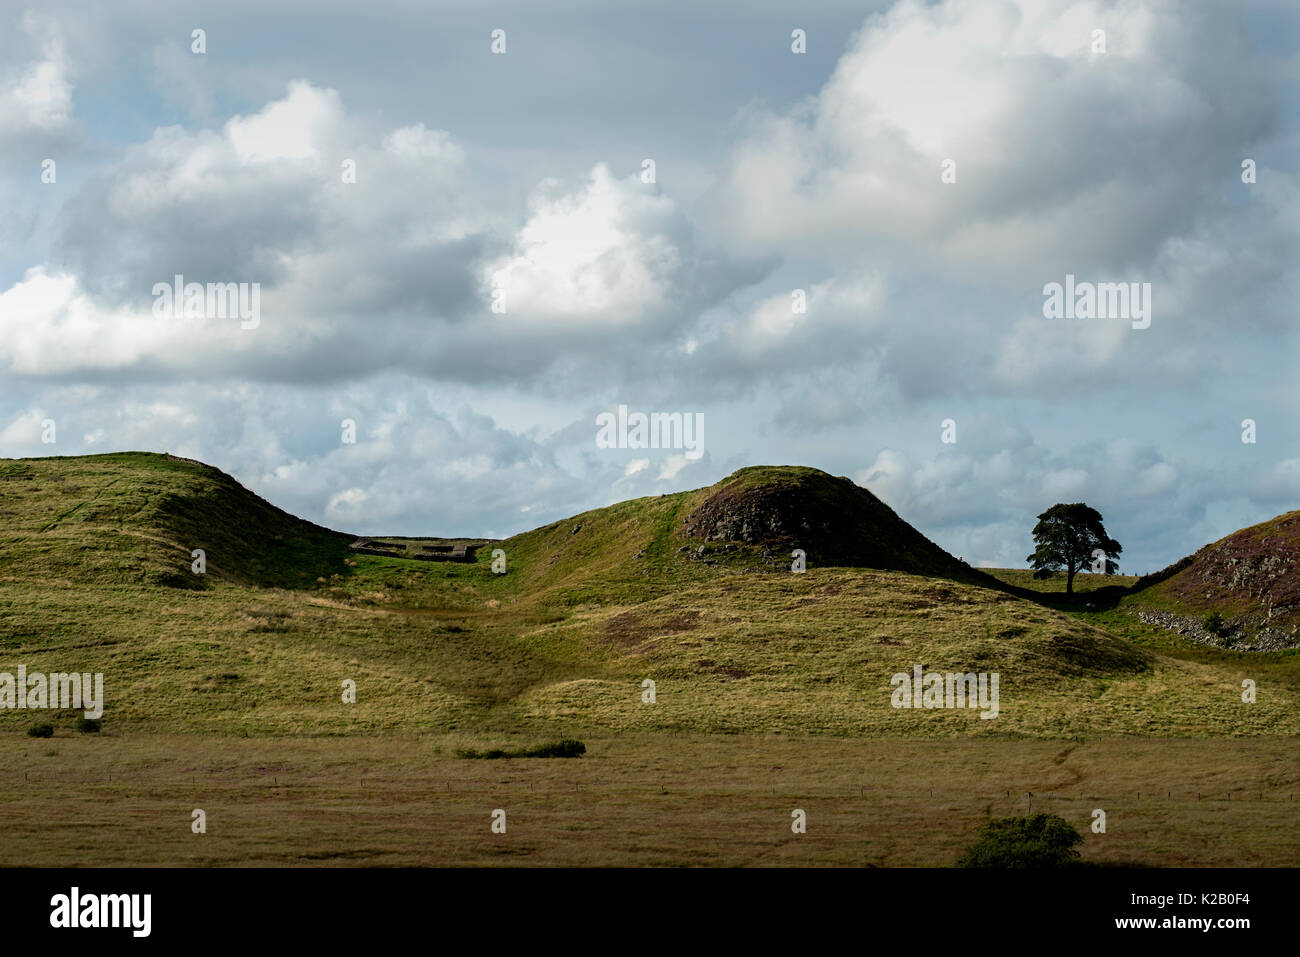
x: 568, y: 748
x: 88, y: 725
x: 1213, y: 623
x: 41, y: 731
x: 1041, y: 840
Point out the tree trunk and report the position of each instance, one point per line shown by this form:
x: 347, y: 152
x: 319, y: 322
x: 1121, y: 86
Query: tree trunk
x: 1069, y: 580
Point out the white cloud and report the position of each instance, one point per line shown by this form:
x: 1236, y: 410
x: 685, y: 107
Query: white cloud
x: 299, y: 126
x: 346, y: 504
x: 672, y: 466
x: 52, y: 328
x: 1059, y: 153
x: 386, y: 272
x: 605, y: 254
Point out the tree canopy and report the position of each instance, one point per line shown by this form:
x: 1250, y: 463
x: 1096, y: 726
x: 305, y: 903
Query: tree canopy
x: 1073, y: 538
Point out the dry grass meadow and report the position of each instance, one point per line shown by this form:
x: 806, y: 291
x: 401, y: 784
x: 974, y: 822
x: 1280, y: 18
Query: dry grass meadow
x: 632, y: 800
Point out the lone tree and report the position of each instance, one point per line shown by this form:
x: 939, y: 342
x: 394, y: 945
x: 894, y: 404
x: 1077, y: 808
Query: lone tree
x: 1072, y: 537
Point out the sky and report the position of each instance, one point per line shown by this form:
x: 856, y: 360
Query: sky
x: 838, y: 257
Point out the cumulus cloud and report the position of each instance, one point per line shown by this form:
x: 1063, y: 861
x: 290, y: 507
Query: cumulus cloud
x: 1064, y: 157
x: 394, y: 270
x: 603, y: 256
x: 1114, y: 164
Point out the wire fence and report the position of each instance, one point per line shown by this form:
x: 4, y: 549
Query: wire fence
x: 221, y: 779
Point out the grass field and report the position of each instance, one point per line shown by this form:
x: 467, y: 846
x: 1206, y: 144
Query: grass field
x: 636, y: 800
x: 737, y: 654
x: 223, y: 691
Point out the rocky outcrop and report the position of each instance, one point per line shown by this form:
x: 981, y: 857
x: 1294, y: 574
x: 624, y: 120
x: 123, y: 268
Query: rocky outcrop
x: 1251, y: 577
x: 833, y: 520
x: 1233, y: 636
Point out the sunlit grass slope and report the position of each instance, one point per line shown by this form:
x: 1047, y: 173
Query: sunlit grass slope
x: 95, y: 576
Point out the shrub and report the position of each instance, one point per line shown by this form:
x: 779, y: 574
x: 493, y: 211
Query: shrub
x: 1040, y: 840
x: 41, y: 731
x: 88, y: 725
x: 568, y: 748
x: 1213, y: 623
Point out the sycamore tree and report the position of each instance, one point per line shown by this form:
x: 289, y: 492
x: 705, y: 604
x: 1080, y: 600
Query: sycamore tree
x: 1072, y: 537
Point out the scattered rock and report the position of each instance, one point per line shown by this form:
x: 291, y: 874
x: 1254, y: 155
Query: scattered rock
x: 1266, y: 639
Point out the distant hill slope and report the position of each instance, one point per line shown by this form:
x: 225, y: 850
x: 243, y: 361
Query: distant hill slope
x: 1251, y: 578
x: 692, y: 590
x: 135, y: 517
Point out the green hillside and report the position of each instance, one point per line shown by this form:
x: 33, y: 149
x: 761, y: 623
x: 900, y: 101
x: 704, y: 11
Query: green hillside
x: 135, y: 517
x: 95, y: 576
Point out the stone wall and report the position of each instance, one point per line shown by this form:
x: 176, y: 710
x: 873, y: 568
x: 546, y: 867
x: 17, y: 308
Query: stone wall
x: 459, y: 552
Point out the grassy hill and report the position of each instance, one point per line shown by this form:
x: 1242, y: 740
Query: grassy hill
x: 134, y: 518
x: 95, y: 576
x: 833, y: 520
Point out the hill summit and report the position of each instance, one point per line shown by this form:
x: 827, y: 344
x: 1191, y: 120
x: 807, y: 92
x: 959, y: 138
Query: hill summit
x: 832, y: 519
x: 137, y: 518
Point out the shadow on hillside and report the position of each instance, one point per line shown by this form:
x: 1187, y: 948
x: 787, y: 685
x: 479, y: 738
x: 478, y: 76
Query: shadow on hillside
x: 1100, y: 599
x: 248, y: 541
